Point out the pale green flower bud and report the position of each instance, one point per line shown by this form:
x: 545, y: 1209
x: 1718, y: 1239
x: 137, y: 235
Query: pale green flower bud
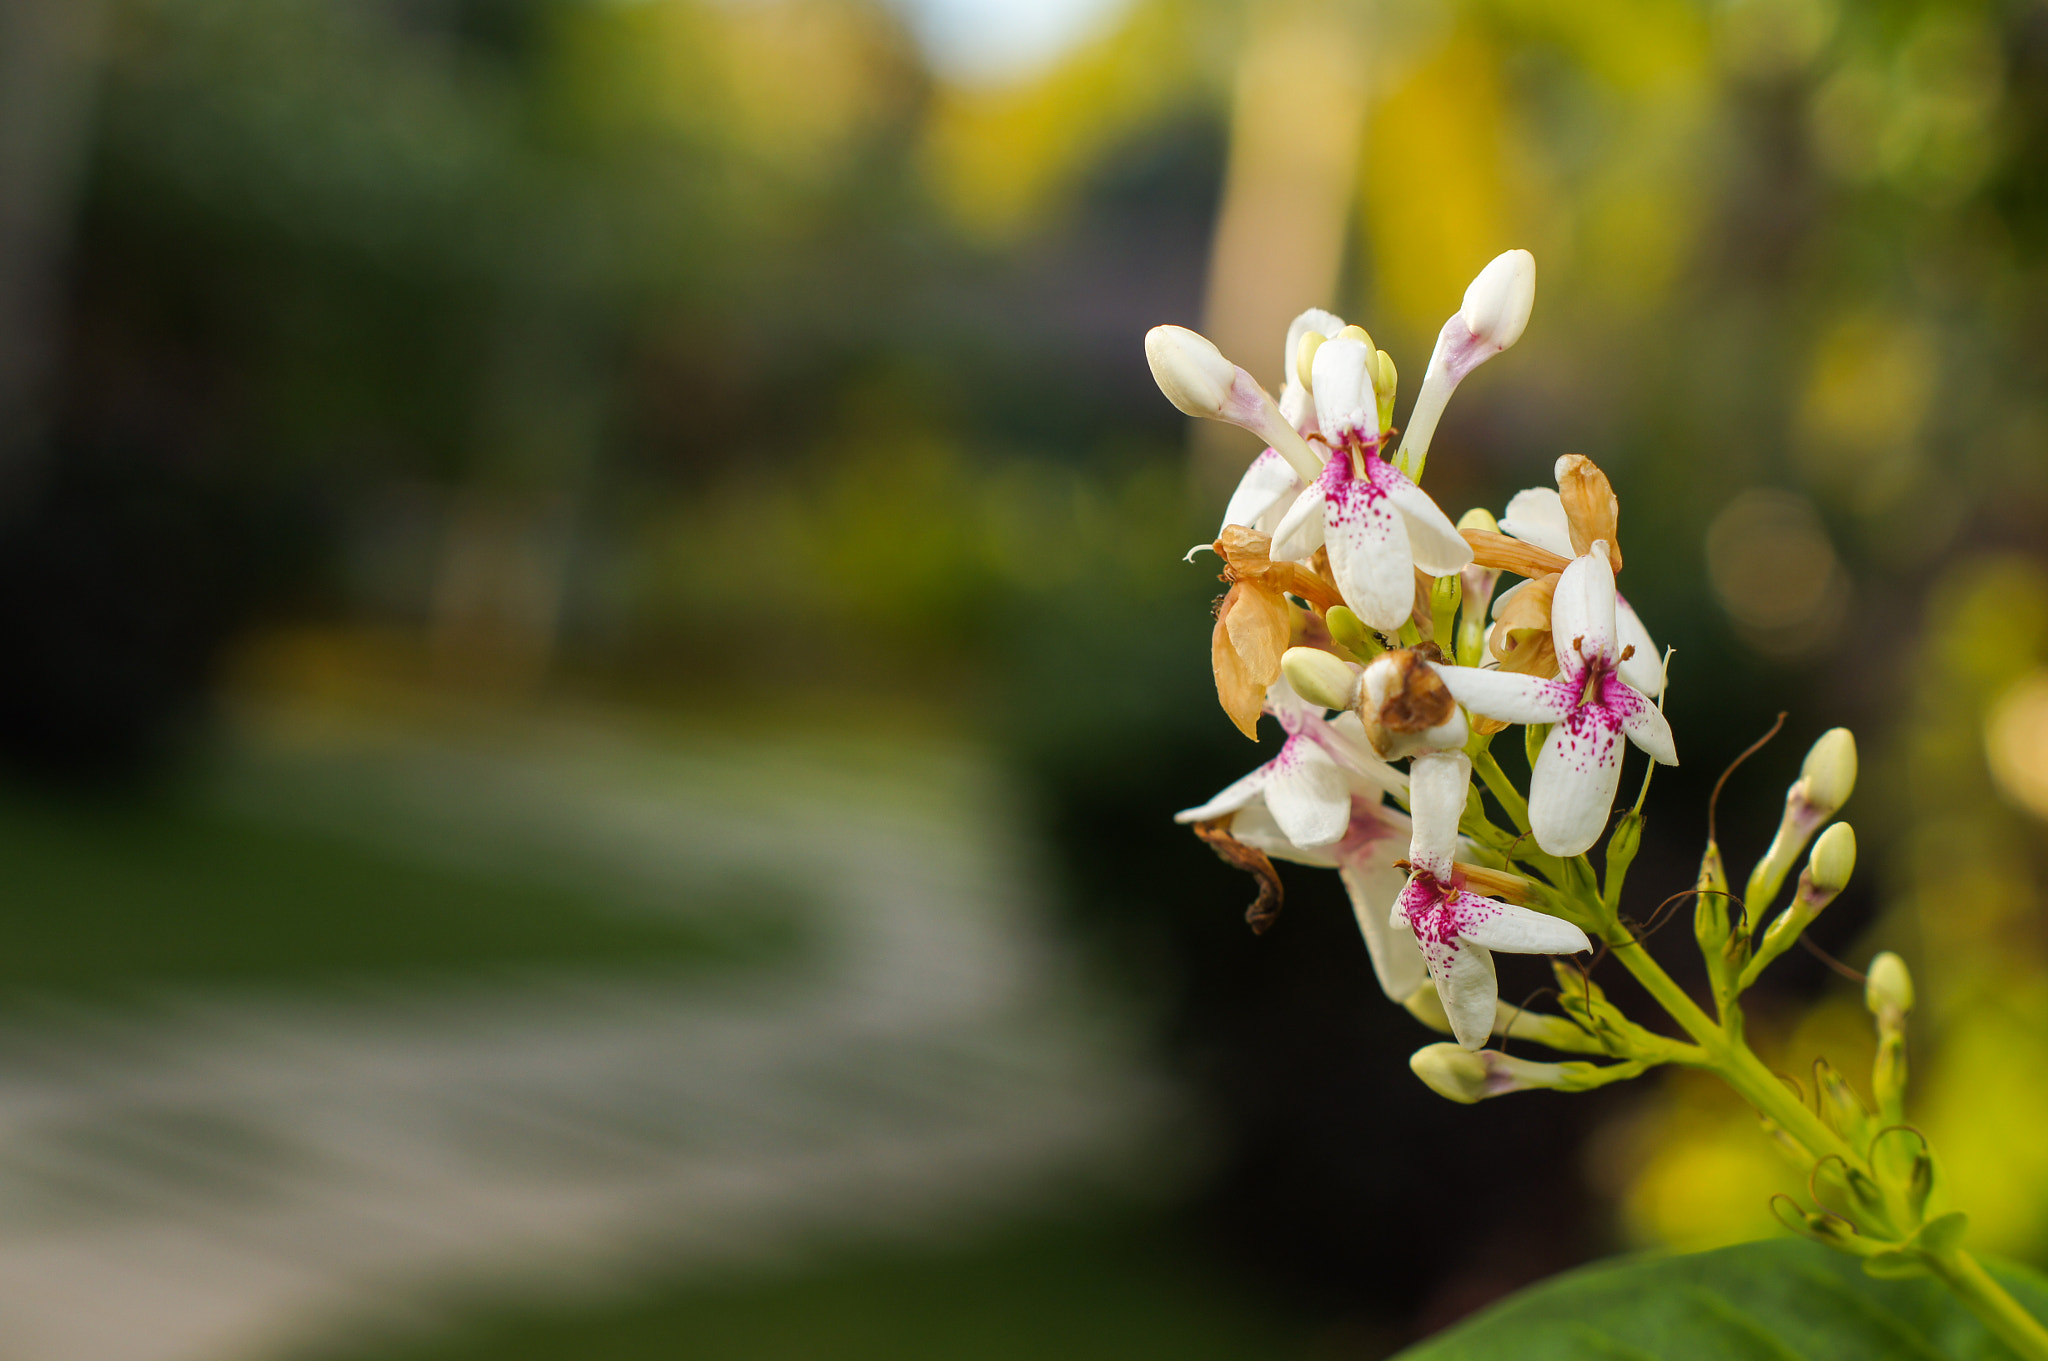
x: 1320, y: 678
x: 1457, y: 1074
x: 1832, y: 862
x: 1828, y: 776
x: 1888, y: 991
x: 1479, y: 517
x: 1826, y: 780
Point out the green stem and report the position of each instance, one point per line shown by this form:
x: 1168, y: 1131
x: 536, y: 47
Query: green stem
x: 1501, y: 787
x: 1737, y: 1065
x: 1989, y: 1300
x: 1741, y: 1069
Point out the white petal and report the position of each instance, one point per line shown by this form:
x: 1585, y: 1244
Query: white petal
x: 1523, y: 931
x: 1436, y: 800
x: 1465, y: 983
x: 1571, y: 791
x: 1537, y: 516
x: 1326, y: 324
x: 1344, y: 738
x: 1345, y: 400
x: 1234, y: 796
x: 1307, y: 795
x: 1644, y: 670
x: 1269, y: 479
x: 1434, y: 542
x: 1368, y: 543
x: 1582, y: 611
x: 1300, y: 531
x: 1507, y: 695
x: 1255, y: 826
x: 1646, y: 726
x: 1396, y: 959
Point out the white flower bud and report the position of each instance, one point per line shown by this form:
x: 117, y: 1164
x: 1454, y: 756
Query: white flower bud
x: 1833, y: 859
x: 1888, y: 990
x: 1320, y: 678
x: 1497, y: 303
x: 1828, y: 776
x: 1189, y: 369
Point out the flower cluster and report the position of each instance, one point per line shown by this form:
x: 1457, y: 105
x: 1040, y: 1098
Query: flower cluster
x: 1366, y: 624
x: 1350, y: 590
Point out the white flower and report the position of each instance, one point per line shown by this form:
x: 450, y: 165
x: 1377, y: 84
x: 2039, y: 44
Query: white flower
x: 1589, y: 706
x: 1378, y: 525
x: 1270, y: 484
x: 1456, y: 929
x: 1304, y: 787
x: 1537, y: 516
x: 1364, y: 859
x: 1495, y: 310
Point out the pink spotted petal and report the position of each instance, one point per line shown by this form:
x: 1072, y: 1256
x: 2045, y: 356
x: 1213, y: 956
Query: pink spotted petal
x: 1308, y: 795
x: 1644, y: 723
x: 1368, y: 543
x: 1300, y: 531
x: 1572, y: 788
x: 1508, y: 696
x: 1519, y: 930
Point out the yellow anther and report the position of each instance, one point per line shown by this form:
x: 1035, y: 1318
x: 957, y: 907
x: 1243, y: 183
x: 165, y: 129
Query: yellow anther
x: 1305, y: 355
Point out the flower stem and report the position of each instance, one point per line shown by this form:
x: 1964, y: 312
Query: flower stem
x: 1990, y: 1301
x: 1737, y: 1064
x: 1501, y: 787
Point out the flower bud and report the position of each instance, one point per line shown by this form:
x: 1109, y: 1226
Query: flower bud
x: 1828, y: 775
x: 1320, y: 678
x: 1453, y: 1072
x: 1888, y: 991
x: 1497, y: 302
x: 1832, y: 862
x: 1189, y: 369
x: 1479, y: 517
x: 1461, y: 1075
x: 1349, y: 632
x: 1825, y: 782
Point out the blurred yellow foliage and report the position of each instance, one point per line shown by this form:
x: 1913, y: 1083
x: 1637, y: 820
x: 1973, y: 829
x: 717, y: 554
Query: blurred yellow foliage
x: 791, y: 82
x: 1436, y: 195
x: 1965, y: 908
x: 1000, y: 159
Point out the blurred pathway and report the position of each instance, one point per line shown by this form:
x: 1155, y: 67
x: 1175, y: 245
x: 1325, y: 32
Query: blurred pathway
x: 228, y: 1176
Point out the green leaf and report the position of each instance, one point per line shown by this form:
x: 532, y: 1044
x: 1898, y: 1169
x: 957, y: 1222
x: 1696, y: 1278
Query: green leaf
x: 1785, y: 1300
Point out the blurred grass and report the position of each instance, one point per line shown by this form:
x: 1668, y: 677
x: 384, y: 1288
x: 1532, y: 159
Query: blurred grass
x: 111, y: 897
x: 1084, y: 1289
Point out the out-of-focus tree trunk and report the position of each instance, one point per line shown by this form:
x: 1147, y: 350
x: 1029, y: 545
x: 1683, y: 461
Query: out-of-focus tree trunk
x: 1296, y: 126
x: 48, y: 58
